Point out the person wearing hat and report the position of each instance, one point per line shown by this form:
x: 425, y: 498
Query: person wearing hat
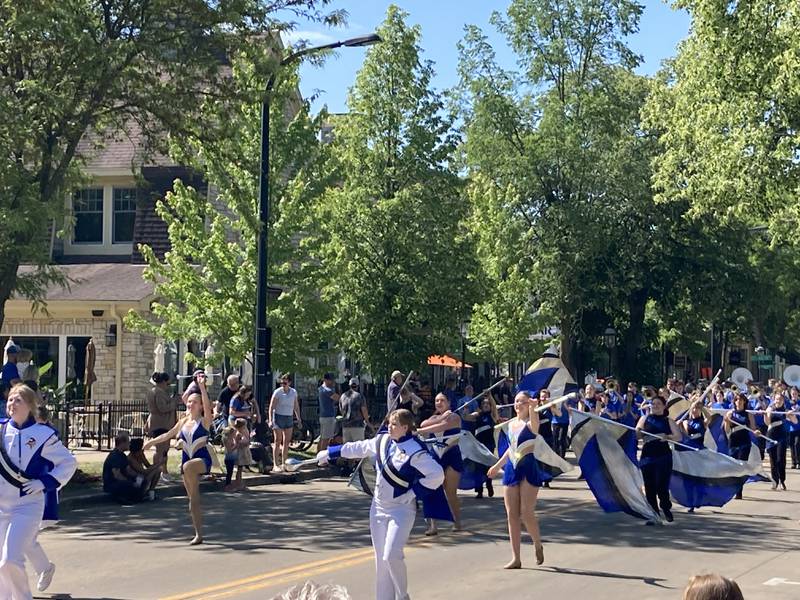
x: 393, y: 391
x: 327, y: 410
x: 355, y: 416
x: 10, y: 374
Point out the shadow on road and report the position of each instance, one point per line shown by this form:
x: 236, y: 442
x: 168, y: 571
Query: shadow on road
x: 644, y: 579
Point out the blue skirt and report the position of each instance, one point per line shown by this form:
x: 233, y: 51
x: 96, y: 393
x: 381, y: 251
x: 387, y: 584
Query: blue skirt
x: 527, y: 469
x: 452, y: 458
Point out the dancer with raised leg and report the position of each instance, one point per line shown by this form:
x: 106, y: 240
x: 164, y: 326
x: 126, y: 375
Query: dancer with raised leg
x: 405, y: 470
x: 522, y: 479
x: 32, y: 462
x: 193, y: 430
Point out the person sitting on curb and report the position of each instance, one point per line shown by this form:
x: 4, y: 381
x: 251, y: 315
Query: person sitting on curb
x: 139, y: 464
x: 119, y: 480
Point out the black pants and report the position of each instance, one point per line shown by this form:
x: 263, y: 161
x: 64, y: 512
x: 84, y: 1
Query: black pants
x: 741, y: 453
x: 794, y: 446
x: 125, y: 492
x: 560, y: 438
x: 777, y: 460
x: 760, y: 442
x: 229, y: 464
x: 656, y: 475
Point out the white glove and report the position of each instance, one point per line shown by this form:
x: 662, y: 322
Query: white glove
x: 322, y: 458
x: 34, y: 486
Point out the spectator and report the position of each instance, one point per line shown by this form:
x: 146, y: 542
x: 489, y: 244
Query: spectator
x: 355, y: 416
x: 283, y: 404
x: 226, y: 395
x: 163, y: 416
x: 450, y: 392
x: 230, y: 443
x: 327, y: 411
x: 139, y: 465
x: 30, y: 377
x: 10, y: 374
x: 712, y: 587
x: 119, y: 481
x: 243, y: 456
x: 393, y: 391
x: 470, y: 408
x: 193, y: 387
x: 243, y: 406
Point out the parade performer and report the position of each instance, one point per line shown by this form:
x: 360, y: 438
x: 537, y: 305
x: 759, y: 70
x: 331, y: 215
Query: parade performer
x: 485, y: 420
x: 588, y: 402
x: 776, y: 419
x: 794, y: 427
x: 32, y: 461
x: 739, y: 424
x: 656, y: 456
x: 522, y: 478
x: 445, y: 426
x: 405, y: 471
x: 193, y: 431
x: 694, y: 427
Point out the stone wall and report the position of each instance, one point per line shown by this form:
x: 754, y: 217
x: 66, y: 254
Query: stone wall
x: 137, y: 353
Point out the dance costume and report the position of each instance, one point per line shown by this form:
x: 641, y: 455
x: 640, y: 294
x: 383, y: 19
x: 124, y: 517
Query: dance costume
x: 27, y: 453
x: 778, y: 431
x: 696, y: 432
x: 405, y: 470
x: 195, y: 444
x: 484, y: 433
x: 656, y: 463
x: 794, y: 436
x: 522, y: 464
x: 446, y: 451
x: 739, y: 440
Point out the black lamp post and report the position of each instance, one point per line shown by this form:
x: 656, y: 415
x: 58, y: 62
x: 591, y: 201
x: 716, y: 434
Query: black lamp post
x: 610, y: 341
x: 464, y: 335
x: 263, y: 336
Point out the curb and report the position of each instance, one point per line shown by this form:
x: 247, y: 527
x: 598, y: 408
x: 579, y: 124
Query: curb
x: 77, y: 501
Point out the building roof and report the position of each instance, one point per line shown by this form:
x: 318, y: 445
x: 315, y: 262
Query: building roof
x: 104, y: 282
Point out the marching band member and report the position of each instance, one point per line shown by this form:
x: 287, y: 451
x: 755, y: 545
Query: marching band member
x: 485, y: 420
x: 794, y: 427
x: 405, y: 470
x: 522, y: 478
x: 444, y: 422
x: 193, y: 431
x: 656, y: 457
x: 695, y: 425
x: 32, y: 461
x: 776, y: 419
x: 545, y: 422
x: 738, y: 425
x: 588, y: 403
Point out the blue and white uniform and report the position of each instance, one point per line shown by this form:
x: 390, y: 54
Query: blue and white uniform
x: 446, y: 450
x: 28, y: 452
x: 405, y: 469
x: 195, y: 443
x: 522, y: 464
x: 696, y: 432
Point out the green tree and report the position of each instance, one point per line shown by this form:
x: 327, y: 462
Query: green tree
x: 394, y: 260
x: 206, y: 283
x: 79, y: 70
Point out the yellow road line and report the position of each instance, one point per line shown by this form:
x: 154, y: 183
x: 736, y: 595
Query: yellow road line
x: 335, y: 563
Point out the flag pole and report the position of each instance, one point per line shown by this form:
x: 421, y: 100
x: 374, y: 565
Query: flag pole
x: 647, y: 433
x: 487, y: 390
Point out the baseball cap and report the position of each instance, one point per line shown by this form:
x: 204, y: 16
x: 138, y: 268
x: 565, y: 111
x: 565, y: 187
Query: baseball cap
x: 354, y: 381
x: 12, y: 349
x: 328, y: 376
x: 396, y: 373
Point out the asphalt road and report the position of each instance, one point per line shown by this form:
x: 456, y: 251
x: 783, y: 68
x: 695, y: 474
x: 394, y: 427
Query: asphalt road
x: 261, y: 542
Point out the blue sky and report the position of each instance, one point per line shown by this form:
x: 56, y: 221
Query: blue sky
x: 442, y: 23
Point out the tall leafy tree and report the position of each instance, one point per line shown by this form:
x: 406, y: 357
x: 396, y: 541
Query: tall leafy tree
x: 394, y: 260
x: 73, y: 68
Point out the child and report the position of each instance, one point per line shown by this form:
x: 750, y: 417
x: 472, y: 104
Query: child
x: 244, y: 458
x: 138, y: 462
x: 229, y: 441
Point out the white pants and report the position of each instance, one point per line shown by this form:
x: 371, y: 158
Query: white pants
x: 390, y: 531
x: 37, y: 556
x: 19, y: 524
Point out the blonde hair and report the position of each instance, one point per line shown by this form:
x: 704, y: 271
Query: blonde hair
x: 403, y: 416
x: 30, y: 397
x: 312, y: 591
x: 712, y: 587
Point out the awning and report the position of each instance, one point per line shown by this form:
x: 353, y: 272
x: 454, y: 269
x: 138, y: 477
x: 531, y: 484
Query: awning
x: 437, y: 360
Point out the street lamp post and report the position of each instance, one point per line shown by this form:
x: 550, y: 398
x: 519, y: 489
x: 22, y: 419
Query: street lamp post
x: 464, y: 334
x: 610, y: 341
x: 263, y: 335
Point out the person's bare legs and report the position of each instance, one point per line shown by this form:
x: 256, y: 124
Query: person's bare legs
x: 192, y: 471
x: 277, y: 449
x: 511, y: 497
x: 239, y: 483
x: 287, y: 439
x: 451, y: 481
x: 528, y: 496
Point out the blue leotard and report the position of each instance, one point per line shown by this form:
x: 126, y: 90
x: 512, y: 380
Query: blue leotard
x: 195, y: 444
x: 522, y: 464
x: 447, y: 452
x: 697, y: 432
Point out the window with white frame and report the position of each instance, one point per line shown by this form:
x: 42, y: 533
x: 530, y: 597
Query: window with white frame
x: 87, y: 207
x: 124, y: 215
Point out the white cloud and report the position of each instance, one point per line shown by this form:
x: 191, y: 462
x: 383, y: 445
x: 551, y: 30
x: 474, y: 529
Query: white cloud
x: 312, y: 37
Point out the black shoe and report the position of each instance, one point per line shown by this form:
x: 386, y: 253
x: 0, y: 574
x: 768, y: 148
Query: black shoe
x: 691, y: 510
x: 738, y: 496
x: 547, y: 484
x: 490, y: 488
x: 668, y: 515
x: 783, y: 485
x: 479, y: 494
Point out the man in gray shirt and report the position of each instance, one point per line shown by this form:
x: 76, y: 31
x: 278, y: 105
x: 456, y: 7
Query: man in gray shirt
x: 355, y: 416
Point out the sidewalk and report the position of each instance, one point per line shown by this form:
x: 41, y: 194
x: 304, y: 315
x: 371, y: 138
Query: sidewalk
x: 92, y: 493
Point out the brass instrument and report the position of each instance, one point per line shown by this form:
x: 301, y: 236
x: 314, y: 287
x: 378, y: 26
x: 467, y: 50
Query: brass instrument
x: 649, y: 392
x: 612, y: 385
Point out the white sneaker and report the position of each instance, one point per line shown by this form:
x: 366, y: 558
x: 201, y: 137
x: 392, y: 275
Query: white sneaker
x: 46, y: 577
x: 276, y: 469
x: 165, y: 479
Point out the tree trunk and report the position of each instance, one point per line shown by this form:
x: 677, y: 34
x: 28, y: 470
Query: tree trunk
x: 8, y: 281
x: 632, y: 337
x: 569, y: 350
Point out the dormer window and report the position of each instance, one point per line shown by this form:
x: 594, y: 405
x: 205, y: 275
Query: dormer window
x: 104, y: 217
x: 124, y: 215
x: 87, y: 207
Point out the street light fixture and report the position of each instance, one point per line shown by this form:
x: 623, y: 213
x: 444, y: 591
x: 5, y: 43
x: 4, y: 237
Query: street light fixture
x: 263, y: 335
x: 610, y: 341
